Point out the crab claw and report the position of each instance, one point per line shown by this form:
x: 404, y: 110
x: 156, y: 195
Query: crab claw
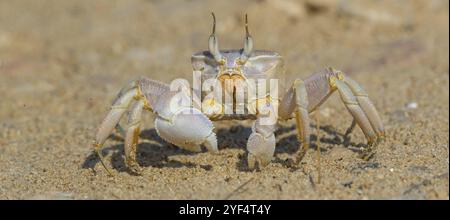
x: 188, y: 128
x: 260, y: 149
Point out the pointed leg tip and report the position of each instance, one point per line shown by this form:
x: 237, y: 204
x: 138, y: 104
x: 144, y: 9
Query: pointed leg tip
x: 97, y: 151
x: 372, y: 142
x: 133, y: 166
x: 301, y: 154
x: 381, y: 137
x: 110, y: 173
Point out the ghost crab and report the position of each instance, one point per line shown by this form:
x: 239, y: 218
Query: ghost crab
x: 189, y: 125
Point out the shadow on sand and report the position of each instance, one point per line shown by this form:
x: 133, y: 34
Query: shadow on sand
x: 156, y: 154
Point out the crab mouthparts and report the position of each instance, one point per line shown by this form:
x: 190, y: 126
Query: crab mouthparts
x: 233, y: 86
x: 231, y: 82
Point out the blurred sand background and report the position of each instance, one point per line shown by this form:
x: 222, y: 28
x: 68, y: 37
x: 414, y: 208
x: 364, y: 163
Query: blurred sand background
x: 62, y: 62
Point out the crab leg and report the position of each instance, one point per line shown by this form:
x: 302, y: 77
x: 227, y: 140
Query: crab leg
x: 364, y: 114
x: 366, y: 105
x: 296, y: 101
x: 305, y: 97
x: 370, y: 124
x: 118, y: 108
x: 302, y: 117
x: 132, y: 136
x: 355, y: 109
x: 129, y: 86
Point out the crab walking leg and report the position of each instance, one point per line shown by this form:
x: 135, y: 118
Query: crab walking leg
x: 302, y: 117
x: 129, y: 86
x: 261, y: 143
x: 366, y: 105
x: 132, y: 135
x: 296, y: 101
x: 118, y: 108
x: 354, y: 108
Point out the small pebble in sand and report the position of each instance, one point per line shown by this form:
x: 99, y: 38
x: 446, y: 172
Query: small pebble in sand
x: 412, y: 105
x: 392, y: 170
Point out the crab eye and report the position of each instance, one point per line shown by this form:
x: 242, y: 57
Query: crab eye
x: 222, y: 62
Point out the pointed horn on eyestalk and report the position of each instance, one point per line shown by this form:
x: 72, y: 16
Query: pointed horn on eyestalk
x: 248, y: 42
x: 213, y: 43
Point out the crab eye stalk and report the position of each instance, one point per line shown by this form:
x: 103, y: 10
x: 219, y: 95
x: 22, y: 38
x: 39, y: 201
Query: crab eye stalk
x: 248, y: 43
x: 213, y: 43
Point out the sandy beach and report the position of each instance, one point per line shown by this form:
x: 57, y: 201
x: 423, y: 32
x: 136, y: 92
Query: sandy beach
x: 63, y: 62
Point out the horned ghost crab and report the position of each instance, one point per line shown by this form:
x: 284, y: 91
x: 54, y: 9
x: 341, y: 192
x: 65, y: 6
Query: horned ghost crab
x: 228, y: 91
